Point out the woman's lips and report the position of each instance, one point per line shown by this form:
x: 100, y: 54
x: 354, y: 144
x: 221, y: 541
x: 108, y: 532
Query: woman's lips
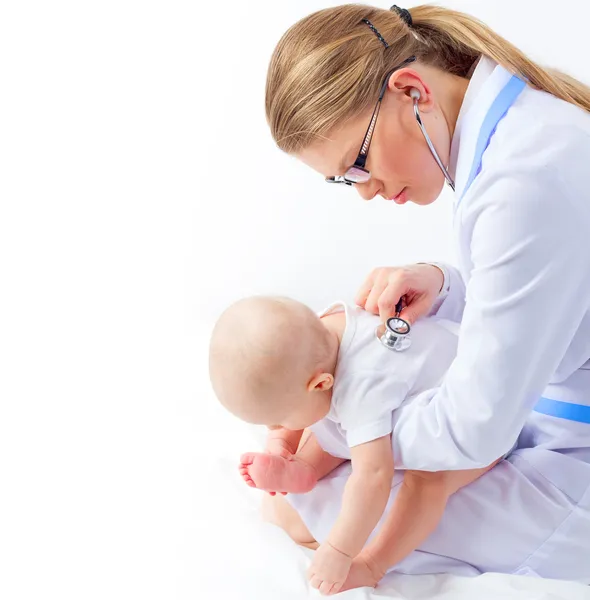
x: 401, y: 198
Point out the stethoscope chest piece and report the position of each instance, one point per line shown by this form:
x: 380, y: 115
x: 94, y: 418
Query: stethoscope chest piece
x: 394, y: 334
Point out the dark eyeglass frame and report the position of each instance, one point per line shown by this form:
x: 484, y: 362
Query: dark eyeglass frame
x: 357, y: 172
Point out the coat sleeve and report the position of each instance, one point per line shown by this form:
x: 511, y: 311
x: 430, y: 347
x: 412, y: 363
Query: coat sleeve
x: 451, y: 303
x: 527, y: 295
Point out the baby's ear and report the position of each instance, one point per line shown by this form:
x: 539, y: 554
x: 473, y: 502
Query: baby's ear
x: 321, y: 383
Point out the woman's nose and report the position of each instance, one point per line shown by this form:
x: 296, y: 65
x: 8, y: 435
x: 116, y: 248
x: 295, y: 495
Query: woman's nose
x: 367, y: 191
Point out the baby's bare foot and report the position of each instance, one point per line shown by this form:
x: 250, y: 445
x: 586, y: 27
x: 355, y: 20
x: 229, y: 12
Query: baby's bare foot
x: 277, y: 474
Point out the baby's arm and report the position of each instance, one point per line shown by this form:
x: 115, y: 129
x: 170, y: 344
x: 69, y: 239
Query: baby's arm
x: 415, y: 514
x: 365, y: 498
x: 365, y: 495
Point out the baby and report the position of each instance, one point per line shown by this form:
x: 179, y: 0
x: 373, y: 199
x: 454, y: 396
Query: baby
x: 274, y: 362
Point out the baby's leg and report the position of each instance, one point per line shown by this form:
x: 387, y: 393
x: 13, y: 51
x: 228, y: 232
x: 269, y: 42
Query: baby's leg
x: 313, y: 454
x: 278, y: 511
x: 296, y: 475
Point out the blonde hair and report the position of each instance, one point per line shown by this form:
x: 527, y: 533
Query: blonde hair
x: 328, y: 67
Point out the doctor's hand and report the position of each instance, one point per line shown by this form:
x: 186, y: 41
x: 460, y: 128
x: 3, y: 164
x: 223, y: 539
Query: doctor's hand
x: 419, y: 284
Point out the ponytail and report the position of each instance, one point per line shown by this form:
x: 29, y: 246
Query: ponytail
x: 448, y: 33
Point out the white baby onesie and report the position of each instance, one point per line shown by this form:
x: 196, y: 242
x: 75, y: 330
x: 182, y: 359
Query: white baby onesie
x: 372, y: 381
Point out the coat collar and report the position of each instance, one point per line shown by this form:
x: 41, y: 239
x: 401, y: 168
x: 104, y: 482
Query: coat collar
x: 486, y: 83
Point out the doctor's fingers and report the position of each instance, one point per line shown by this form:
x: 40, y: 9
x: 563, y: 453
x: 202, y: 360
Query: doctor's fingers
x: 365, y: 289
x: 417, y: 307
x: 407, y: 282
x: 387, y: 292
x: 373, y: 287
x: 379, y: 278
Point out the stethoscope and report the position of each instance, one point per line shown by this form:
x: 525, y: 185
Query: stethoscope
x: 394, y: 333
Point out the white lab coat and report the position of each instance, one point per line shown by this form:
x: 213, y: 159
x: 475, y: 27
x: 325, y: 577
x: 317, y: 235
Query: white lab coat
x: 523, y: 243
x: 523, y: 291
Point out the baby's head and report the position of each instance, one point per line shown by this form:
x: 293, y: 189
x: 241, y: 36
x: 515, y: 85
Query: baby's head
x: 272, y: 361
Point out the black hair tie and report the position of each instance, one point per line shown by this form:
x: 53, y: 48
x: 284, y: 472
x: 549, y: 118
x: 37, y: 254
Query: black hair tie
x: 374, y: 30
x: 404, y: 14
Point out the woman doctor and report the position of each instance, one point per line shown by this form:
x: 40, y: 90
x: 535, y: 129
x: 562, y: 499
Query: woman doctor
x: 395, y: 103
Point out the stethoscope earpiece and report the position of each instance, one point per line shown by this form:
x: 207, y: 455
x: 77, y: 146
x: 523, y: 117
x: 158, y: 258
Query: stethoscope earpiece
x: 415, y: 94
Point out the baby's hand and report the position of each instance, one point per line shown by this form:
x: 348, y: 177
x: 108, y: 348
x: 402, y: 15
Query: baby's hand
x: 329, y: 569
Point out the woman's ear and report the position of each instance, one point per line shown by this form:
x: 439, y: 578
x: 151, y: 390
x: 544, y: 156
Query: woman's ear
x: 321, y: 383
x: 409, y: 84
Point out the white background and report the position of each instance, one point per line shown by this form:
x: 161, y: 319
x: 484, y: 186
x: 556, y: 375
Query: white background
x: 141, y: 193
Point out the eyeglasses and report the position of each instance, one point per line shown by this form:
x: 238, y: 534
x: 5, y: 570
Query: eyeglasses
x: 357, y: 173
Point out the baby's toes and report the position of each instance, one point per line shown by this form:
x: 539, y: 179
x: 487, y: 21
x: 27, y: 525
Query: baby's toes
x: 326, y: 588
x: 336, y: 588
x: 245, y: 475
x: 248, y: 480
x: 247, y: 458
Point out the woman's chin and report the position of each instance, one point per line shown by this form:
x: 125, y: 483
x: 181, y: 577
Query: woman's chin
x: 428, y: 193
x: 422, y: 200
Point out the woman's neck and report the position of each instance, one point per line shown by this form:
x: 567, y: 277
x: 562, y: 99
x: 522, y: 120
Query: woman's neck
x: 449, y: 91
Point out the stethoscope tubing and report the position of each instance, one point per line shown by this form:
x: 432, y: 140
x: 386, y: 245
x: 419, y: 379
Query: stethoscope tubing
x: 431, y: 146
